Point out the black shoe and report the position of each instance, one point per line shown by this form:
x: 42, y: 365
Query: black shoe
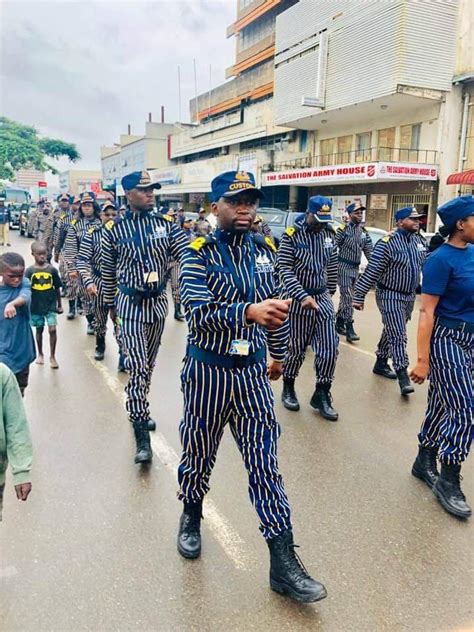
x: 178, y: 314
x: 90, y: 324
x: 351, y: 335
x: 80, y: 309
x: 288, y: 576
x: 151, y: 424
x: 322, y: 400
x: 447, y: 490
x: 189, y: 534
x: 72, y: 310
x: 288, y: 396
x: 382, y: 367
x: 340, y: 326
x: 406, y: 387
x: 99, y: 347
x: 142, y: 438
x: 424, y: 466
x: 121, y: 368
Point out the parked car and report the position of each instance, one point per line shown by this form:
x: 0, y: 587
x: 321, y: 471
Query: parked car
x: 375, y: 235
x: 278, y: 220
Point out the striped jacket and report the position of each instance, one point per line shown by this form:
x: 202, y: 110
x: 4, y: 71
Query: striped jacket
x: 89, y: 257
x: 395, y: 265
x: 215, y: 306
x: 60, y: 230
x: 307, y: 261
x: 135, y: 255
x: 352, y: 240
x: 75, y: 234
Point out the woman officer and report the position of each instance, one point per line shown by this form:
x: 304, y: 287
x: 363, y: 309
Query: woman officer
x: 446, y: 349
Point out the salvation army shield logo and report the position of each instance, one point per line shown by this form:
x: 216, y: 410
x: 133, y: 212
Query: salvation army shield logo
x: 371, y: 171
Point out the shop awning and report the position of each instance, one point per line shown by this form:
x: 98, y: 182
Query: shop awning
x: 463, y: 177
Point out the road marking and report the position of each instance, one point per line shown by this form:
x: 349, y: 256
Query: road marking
x: 351, y: 346
x: 225, y: 534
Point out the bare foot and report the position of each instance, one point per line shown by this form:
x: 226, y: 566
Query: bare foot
x: 53, y: 363
x: 40, y: 359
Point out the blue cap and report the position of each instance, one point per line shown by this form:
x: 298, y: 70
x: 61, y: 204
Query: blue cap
x: 108, y: 204
x: 64, y: 196
x: 139, y: 180
x: 354, y: 207
x: 320, y: 207
x: 408, y: 211
x: 454, y: 210
x: 231, y: 183
x: 87, y: 197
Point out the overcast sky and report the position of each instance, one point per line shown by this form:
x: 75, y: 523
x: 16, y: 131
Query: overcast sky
x: 81, y: 71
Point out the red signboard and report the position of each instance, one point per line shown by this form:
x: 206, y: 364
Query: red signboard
x: 42, y: 185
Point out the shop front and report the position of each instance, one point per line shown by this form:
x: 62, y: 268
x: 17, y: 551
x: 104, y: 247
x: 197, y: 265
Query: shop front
x: 383, y: 187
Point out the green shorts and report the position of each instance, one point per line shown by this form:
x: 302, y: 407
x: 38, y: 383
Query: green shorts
x: 37, y: 320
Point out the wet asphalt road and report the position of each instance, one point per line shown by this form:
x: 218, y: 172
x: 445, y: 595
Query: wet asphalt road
x: 94, y: 546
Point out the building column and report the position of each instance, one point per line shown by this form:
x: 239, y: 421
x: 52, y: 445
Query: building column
x: 293, y: 198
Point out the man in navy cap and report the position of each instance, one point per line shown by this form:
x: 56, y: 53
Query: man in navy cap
x: 352, y: 240
x: 135, y: 254
x: 228, y: 287
x: 67, y: 213
x: 307, y: 262
x: 394, y: 269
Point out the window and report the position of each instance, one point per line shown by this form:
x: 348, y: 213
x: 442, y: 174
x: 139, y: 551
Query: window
x: 363, y: 146
x: 276, y: 142
x: 386, y: 143
x: 344, y: 149
x: 256, y: 31
x: 303, y: 140
x: 410, y: 141
x: 327, y: 150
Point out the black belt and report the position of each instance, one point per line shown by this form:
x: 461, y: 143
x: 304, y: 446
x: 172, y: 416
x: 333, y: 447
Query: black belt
x: 315, y: 291
x: 457, y: 325
x: 354, y: 264
x: 380, y: 286
x: 133, y: 291
x: 225, y: 361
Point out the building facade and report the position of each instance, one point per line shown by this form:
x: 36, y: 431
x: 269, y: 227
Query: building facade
x: 76, y: 181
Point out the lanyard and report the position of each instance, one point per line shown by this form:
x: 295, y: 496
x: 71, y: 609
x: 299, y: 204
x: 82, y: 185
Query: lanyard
x: 249, y: 295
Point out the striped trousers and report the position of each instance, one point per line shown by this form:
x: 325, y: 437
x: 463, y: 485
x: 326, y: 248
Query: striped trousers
x: 346, y: 278
x: 101, y: 314
x: 315, y: 328
x: 449, y: 413
x: 86, y: 300
x: 140, y: 343
x: 173, y: 272
x: 71, y: 285
x: 242, y: 398
x: 396, y: 310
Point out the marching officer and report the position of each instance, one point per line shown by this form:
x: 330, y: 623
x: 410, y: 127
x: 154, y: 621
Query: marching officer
x: 202, y: 226
x: 173, y: 271
x: 88, y: 263
x: 228, y: 287
x: 446, y: 350
x: 88, y: 216
x: 352, y: 240
x: 307, y: 264
x: 394, y: 268
x: 68, y: 209
x: 135, y: 253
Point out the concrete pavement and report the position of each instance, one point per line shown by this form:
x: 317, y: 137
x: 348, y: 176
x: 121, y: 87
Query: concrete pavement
x: 94, y: 546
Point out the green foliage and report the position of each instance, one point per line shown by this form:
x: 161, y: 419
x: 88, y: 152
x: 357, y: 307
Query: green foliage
x: 20, y: 148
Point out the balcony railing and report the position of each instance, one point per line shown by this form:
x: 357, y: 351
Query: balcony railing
x: 373, y: 154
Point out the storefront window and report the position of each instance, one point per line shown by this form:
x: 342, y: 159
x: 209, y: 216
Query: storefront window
x: 386, y: 143
x: 344, y: 149
x: 327, y: 151
x: 363, y: 141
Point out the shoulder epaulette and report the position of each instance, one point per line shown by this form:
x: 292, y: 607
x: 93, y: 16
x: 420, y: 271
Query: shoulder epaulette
x: 342, y: 226
x: 91, y: 229
x: 270, y: 244
x: 386, y: 238
x: 199, y: 242
x: 73, y: 222
x: 264, y: 241
x: 110, y: 224
x: 168, y: 218
x: 290, y: 231
x: 62, y: 216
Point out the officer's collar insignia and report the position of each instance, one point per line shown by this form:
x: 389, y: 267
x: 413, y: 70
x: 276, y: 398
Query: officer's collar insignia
x: 110, y: 224
x: 73, y: 222
x: 270, y: 244
x: 198, y: 243
x: 290, y: 231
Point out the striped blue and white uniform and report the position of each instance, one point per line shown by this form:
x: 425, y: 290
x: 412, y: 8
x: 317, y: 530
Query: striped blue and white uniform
x: 88, y: 263
x: 59, y: 237
x: 394, y: 269
x: 135, y: 256
x: 448, y: 423
x: 307, y: 265
x: 352, y: 240
x: 220, y: 388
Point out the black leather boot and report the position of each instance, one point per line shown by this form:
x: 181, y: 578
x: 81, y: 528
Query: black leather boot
x: 72, y: 310
x: 178, y: 314
x: 151, y: 424
x: 121, y: 368
x: 142, y: 438
x: 351, y: 335
x: 382, y: 367
x: 288, y: 576
x: 340, y: 326
x: 99, y: 347
x: 322, y: 400
x: 189, y: 533
x: 90, y: 324
x: 288, y: 396
x: 424, y: 466
x: 447, y: 490
x: 406, y: 387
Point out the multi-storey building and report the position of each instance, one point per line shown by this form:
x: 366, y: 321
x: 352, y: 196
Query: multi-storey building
x: 76, y: 181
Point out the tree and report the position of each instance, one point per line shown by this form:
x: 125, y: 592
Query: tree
x: 22, y: 148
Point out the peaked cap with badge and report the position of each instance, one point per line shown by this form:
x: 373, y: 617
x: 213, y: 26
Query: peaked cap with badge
x: 139, y: 180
